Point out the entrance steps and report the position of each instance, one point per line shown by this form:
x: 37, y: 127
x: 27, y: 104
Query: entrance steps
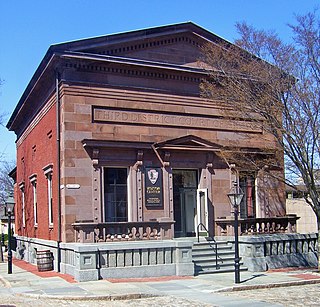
x: 211, y: 256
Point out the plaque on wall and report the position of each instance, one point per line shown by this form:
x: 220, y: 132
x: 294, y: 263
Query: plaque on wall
x: 153, y: 187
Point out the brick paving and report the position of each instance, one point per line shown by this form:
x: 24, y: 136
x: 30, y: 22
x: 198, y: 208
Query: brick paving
x: 46, y: 274
x: 295, y: 296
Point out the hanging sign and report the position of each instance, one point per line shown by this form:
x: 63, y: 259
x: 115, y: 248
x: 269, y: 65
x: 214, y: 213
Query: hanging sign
x: 153, y: 187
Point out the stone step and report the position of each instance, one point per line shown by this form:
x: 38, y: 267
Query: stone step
x: 204, y: 255
x: 211, y: 248
x: 217, y: 271
x: 212, y: 252
x: 211, y: 262
x: 212, y: 244
x: 213, y: 259
x: 218, y: 243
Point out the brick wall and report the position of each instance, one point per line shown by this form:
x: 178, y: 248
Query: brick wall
x: 36, y: 148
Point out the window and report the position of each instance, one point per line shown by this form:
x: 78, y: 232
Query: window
x: 33, y: 180
x: 296, y: 194
x: 48, y: 173
x: 49, y: 179
x: 21, y: 186
x: 248, y: 203
x: 115, y: 194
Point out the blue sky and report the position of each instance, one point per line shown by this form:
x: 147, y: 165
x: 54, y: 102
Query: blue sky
x: 28, y: 28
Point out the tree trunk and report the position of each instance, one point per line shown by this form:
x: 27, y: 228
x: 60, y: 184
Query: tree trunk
x: 318, y: 251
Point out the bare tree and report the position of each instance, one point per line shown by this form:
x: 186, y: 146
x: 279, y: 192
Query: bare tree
x: 276, y: 84
x: 6, y: 183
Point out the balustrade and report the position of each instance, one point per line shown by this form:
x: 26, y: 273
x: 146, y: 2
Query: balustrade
x: 88, y: 232
x: 254, y: 226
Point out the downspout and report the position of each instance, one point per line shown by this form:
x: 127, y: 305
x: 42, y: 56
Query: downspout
x: 157, y: 154
x: 58, y: 168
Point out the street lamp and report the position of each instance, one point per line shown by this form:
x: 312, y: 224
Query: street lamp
x: 235, y: 197
x: 9, y: 206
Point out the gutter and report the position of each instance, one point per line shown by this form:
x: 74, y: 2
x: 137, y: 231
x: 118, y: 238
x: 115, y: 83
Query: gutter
x: 157, y: 154
x: 57, y: 77
x: 130, y: 61
x: 42, y: 68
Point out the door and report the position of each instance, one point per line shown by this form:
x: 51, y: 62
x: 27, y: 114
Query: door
x: 202, y: 212
x: 187, y: 212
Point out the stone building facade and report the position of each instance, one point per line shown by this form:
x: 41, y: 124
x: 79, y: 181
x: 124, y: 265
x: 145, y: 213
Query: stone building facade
x: 115, y: 143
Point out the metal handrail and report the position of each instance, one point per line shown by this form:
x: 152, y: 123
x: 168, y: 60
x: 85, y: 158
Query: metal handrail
x: 212, y: 239
x: 201, y: 224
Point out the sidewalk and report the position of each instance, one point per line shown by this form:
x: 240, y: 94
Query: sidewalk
x: 27, y: 281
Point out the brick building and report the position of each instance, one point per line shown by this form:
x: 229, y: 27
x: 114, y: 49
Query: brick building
x: 115, y: 143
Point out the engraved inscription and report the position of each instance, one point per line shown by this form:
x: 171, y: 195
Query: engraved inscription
x: 171, y: 119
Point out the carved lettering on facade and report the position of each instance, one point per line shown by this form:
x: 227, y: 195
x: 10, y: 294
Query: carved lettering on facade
x: 111, y: 115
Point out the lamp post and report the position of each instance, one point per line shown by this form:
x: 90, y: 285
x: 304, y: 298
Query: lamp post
x: 9, y: 207
x: 235, y: 197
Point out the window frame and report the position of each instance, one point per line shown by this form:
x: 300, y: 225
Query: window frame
x: 23, y: 204
x: 33, y: 180
x: 48, y: 171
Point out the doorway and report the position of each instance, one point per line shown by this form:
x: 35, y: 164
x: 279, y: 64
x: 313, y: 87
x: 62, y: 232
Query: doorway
x: 185, y: 184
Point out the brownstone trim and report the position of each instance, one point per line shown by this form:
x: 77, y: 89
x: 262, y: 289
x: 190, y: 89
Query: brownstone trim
x: 48, y: 169
x: 33, y: 178
x: 21, y: 185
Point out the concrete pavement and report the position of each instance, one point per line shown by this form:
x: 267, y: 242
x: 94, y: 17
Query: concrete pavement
x: 27, y: 281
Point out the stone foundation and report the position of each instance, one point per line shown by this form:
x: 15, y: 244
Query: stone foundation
x: 168, y: 257
x: 260, y: 253
x: 114, y: 260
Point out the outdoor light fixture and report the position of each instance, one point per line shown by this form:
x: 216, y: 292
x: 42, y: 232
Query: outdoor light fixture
x: 235, y: 197
x: 9, y: 206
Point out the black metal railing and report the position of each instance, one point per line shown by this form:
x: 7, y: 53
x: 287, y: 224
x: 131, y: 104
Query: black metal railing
x: 210, y: 242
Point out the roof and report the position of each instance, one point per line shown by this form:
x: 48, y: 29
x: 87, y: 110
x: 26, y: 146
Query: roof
x: 81, y: 49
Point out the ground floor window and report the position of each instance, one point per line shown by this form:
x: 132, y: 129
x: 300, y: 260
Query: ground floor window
x: 49, y: 182
x: 115, y: 194
x: 22, y: 190
x: 33, y: 180
x: 48, y: 171
x: 248, y: 204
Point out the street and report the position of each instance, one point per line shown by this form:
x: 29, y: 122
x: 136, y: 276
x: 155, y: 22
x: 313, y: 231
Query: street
x: 9, y: 300
x: 306, y: 295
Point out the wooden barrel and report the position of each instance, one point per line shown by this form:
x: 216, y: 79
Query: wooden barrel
x: 44, y: 261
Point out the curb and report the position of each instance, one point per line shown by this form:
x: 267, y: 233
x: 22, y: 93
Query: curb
x: 268, y: 286
x: 5, y: 283
x: 111, y: 297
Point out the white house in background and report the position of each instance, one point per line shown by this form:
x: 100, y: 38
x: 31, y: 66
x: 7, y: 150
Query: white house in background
x: 296, y: 204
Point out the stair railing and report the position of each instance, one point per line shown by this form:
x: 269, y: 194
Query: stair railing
x: 212, y: 240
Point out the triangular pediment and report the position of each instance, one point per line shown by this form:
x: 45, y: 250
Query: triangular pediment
x: 189, y: 142
x: 180, y: 49
x: 178, y: 44
x: 154, y: 52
